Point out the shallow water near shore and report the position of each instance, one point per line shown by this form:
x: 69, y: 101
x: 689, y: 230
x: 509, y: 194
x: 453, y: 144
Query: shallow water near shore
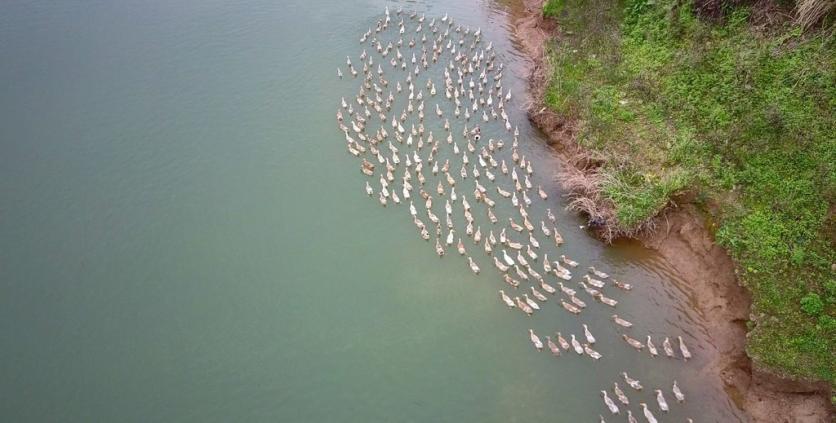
x: 184, y: 238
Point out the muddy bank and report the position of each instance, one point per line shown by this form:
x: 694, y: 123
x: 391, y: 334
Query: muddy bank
x: 682, y: 237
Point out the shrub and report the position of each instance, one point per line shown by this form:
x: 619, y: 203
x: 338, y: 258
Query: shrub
x: 812, y: 304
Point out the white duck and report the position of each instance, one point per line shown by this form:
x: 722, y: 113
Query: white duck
x: 508, y: 260
x: 683, y: 349
x: 562, y: 341
x: 552, y: 346
x: 678, y: 393
x: 576, y: 345
x: 635, y: 384
x: 592, y: 353
x: 660, y: 398
x: 651, y: 348
x: 536, y: 294
x: 588, y: 334
x: 647, y: 414
x: 609, y: 402
x: 531, y: 303
x: 569, y: 261
x: 506, y: 299
x: 620, y: 394
x: 621, y: 322
x: 666, y: 345
x: 535, y: 340
x: 473, y: 265
x: 598, y: 273
x: 635, y: 343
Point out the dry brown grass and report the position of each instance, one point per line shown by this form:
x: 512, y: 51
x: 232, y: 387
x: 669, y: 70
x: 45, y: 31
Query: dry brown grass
x: 811, y: 12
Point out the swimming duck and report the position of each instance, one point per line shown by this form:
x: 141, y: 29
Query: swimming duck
x: 369, y: 189
x: 530, y: 252
x: 520, y: 273
x: 514, y: 225
x: 473, y: 266
x: 621, y: 322
x: 576, y: 345
x: 488, y: 248
x: 633, y: 342
x: 678, y: 393
x: 523, y: 306
x: 550, y: 215
x: 558, y: 238
x: 570, y: 308
x: 521, y: 259
x: 508, y: 260
x: 609, y: 402
x: 546, y: 231
x: 500, y: 265
x: 620, y: 394
x: 594, y: 282
x: 666, y: 345
x: 568, y: 291
x: 562, y: 341
x: 660, y: 398
x: 683, y: 349
x: 546, y: 287
x: 552, y: 346
x: 622, y: 285
x: 460, y: 247
x: 651, y: 347
x: 630, y: 418
x: 635, y: 384
x: 546, y: 266
x: 511, y: 281
x: 598, y: 273
x: 591, y: 291
x: 542, y: 193
x: 588, y: 334
x: 647, y: 414
x: 438, y: 248
x: 532, y: 240
x: 568, y: 261
x: 535, y: 340
x: 536, y: 294
x: 607, y: 300
x: 577, y: 301
x: 592, y: 353
x: 506, y: 299
x: 450, y: 237
x: 531, y: 303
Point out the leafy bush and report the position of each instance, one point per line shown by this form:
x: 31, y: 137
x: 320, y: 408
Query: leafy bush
x: 812, y: 304
x: 551, y: 8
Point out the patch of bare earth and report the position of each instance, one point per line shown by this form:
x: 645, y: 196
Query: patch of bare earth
x: 681, y: 236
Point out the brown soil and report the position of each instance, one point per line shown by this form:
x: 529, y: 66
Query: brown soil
x: 685, y: 242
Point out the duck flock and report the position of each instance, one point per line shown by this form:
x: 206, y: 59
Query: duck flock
x: 427, y: 89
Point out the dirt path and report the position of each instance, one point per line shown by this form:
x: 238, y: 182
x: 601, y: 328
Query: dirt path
x: 688, y: 246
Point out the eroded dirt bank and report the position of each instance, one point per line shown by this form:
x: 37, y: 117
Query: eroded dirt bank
x: 686, y: 243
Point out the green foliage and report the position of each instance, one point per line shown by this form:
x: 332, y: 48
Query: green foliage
x: 812, y: 304
x: 552, y: 8
x: 745, y: 119
x: 637, y: 196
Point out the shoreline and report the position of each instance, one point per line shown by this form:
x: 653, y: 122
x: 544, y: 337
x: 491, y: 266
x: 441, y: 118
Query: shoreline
x: 687, y: 244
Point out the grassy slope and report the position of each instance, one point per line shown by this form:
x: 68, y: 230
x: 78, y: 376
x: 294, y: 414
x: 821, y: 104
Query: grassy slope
x: 741, y: 116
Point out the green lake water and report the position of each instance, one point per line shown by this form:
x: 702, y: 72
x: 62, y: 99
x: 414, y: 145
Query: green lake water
x: 183, y: 237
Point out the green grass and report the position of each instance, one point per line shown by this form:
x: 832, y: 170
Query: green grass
x: 742, y: 117
x: 552, y: 8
